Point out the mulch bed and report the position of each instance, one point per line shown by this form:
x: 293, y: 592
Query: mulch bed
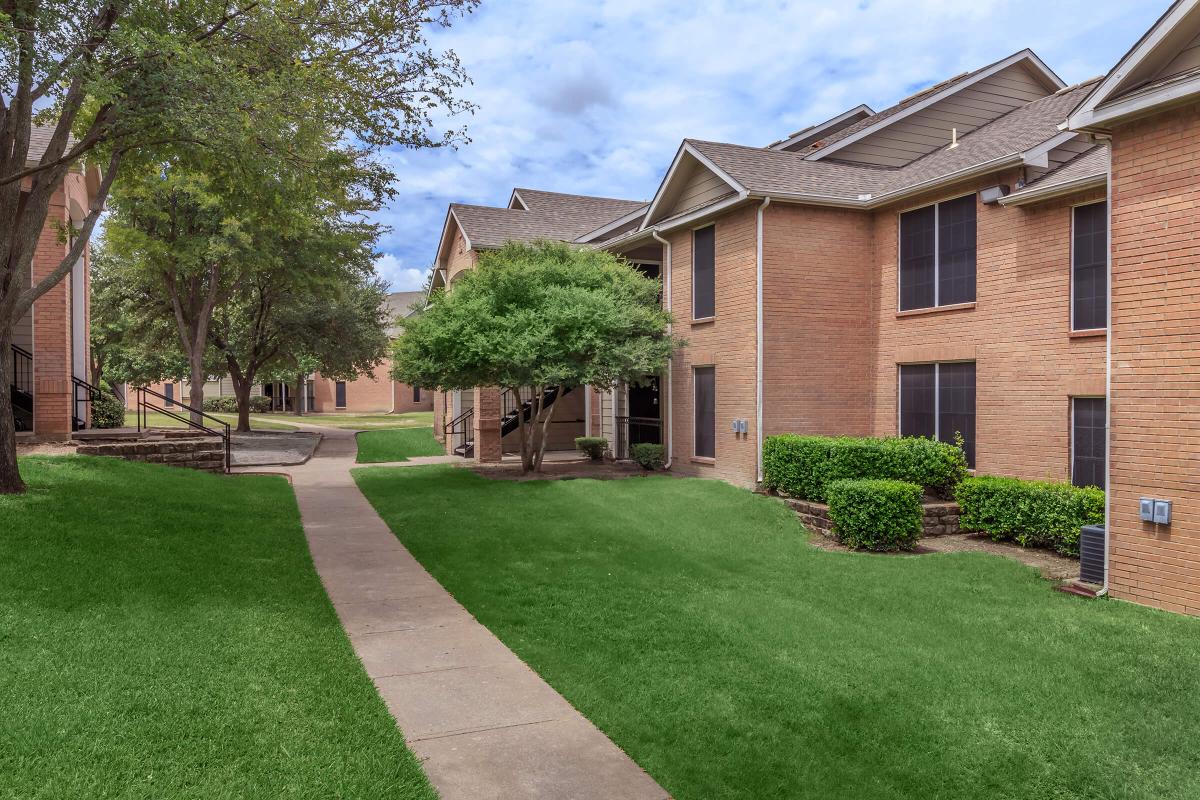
x: 563, y: 471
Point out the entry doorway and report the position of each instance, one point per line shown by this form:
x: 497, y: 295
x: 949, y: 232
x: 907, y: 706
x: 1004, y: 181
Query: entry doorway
x: 645, y: 412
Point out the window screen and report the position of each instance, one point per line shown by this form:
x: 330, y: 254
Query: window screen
x: 1087, y: 441
x: 706, y: 412
x: 339, y: 394
x: 1089, y: 267
x: 937, y: 254
x: 416, y: 394
x: 938, y: 401
x: 704, y: 274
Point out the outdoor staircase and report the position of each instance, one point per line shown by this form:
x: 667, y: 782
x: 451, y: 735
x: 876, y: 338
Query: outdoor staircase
x: 514, y: 409
x: 21, y: 390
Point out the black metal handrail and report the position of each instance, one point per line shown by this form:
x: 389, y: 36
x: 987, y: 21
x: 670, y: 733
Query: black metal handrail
x: 22, y: 371
x: 90, y: 394
x: 627, y: 426
x: 461, y: 426
x: 144, y: 406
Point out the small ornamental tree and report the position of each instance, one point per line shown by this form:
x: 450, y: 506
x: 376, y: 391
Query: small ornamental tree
x: 543, y: 315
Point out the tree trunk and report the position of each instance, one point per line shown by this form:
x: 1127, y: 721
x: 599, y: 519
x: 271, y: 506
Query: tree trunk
x: 241, y: 393
x: 10, y: 474
x: 526, y: 432
x: 196, y: 385
x: 298, y: 397
x: 545, y: 430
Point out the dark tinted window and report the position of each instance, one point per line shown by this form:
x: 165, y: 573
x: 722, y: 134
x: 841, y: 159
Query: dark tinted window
x: 918, y: 391
x: 706, y: 412
x: 938, y: 401
x: 1087, y: 441
x: 917, y: 259
x: 956, y: 251
x: 416, y: 394
x: 704, y: 274
x: 1089, y: 260
x: 956, y: 405
x: 339, y: 394
x: 169, y: 393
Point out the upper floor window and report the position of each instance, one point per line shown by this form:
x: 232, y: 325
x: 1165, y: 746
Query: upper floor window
x: 937, y: 254
x: 1089, y: 267
x: 704, y: 272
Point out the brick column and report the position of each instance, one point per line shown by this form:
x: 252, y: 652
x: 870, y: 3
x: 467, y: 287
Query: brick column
x: 52, y: 336
x: 487, y: 424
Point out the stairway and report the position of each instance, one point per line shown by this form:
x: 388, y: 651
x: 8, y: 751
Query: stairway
x: 514, y: 412
x: 21, y: 390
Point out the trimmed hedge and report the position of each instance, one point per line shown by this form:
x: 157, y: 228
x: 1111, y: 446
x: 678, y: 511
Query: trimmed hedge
x: 220, y: 405
x: 875, y: 514
x: 1030, y: 513
x: 107, y: 411
x: 649, y: 456
x: 805, y: 466
x: 593, y: 446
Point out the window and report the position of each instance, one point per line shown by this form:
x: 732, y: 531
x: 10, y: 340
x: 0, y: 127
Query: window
x: 169, y: 393
x: 706, y: 412
x: 1088, y: 430
x: 416, y: 394
x: 339, y: 394
x: 704, y: 273
x: 937, y: 255
x: 938, y: 401
x: 1089, y: 267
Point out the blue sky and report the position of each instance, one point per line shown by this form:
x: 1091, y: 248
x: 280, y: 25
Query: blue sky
x: 594, y: 96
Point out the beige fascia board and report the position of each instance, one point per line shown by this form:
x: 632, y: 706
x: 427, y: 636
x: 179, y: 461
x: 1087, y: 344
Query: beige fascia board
x: 1027, y: 196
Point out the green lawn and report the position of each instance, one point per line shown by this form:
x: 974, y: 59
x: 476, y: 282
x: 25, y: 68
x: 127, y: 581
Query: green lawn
x: 163, y: 635
x: 258, y: 422
x: 397, y: 445
x: 694, y: 624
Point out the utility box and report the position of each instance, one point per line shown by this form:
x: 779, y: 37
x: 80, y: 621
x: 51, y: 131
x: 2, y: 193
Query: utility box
x: 1091, y: 554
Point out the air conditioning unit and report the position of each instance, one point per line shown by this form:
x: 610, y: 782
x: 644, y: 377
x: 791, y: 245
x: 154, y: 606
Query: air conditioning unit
x: 1091, y: 554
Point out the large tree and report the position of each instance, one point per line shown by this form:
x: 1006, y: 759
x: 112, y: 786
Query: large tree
x: 118, y: 82
x: 544, y: 315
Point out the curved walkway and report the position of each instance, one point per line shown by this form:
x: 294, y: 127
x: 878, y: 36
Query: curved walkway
x: 484, y: 723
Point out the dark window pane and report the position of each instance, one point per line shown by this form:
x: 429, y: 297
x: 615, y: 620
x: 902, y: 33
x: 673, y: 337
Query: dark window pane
x: 917, y: 272
x: 169, y: 392
x: 1089, y: 260
x: 704, y: 273
x: 956, y: 251
x: 706, y: 412
x: 416, y: 394
x: 917, y: 398
x: 956, y: 405
x: 339, y: 394
x: 1087, y: 441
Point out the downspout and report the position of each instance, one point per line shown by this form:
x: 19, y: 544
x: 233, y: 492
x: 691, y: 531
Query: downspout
x: 667, y: 407
x: 758, y: 349
x: 1108, y: 384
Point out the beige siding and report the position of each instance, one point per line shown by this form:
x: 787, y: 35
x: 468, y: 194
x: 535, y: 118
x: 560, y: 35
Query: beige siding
x: 697, y: 187
x: 925, y: 131
x: 1061, y: 155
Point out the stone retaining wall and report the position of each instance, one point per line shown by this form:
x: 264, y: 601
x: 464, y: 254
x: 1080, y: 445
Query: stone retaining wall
x: 206, y: 454
x: 940, y: 519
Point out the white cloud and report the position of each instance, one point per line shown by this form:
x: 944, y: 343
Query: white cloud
x: 594, y: 96
x: 400, y: 277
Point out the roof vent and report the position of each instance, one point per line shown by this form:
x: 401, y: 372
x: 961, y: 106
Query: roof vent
x: 953, y: 138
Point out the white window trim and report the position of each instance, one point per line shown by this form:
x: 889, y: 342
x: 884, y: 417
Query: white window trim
x: 713, y: 315
x: 1071, y: 283
x: 937, y: 265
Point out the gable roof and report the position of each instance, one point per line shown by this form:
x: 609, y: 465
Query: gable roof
x: 807, y: 136
x: 929, y: 97
x: 400, y: 304
x: 1160, y: 71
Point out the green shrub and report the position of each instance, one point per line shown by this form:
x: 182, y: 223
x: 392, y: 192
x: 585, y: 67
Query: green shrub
x: 875, y: 514
x: 259, y: 404
x: 805, y: 466
x: 649, y: 456
x: 107, y: 411
x: 593, y: 446
x: 1030, y: 513
x: 220, y: 405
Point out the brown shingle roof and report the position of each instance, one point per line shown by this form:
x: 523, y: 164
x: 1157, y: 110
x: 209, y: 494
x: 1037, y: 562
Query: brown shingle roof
x: 551, y: 215
x: 1089, y: 164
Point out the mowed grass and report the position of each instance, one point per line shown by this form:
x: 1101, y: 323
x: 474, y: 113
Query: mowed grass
x: 163, y: 635
x: 397, y: 445
x: 692, y: 622
x: 156, y: 420
x: 412, y: 419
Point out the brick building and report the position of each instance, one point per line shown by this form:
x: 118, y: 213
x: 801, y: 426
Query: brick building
x: 944, y: 268
x: 50, y: 350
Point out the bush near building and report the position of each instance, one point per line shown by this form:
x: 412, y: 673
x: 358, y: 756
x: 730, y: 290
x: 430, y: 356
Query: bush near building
x: 1030, y: 513
x: 876, y: 514
x: 804, y: 467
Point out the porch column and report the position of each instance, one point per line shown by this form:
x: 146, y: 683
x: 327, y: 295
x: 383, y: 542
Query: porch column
x: 487, y: 424
x: 52, y: 406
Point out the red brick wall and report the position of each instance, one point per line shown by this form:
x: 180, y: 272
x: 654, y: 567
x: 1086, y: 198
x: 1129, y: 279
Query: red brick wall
x: 1028, y: 365
x: 366, y: 394
x: 1155, y: 428
x: 52, y: 329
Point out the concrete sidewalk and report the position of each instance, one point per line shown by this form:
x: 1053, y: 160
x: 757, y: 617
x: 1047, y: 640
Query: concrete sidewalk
x: 484, y: 724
